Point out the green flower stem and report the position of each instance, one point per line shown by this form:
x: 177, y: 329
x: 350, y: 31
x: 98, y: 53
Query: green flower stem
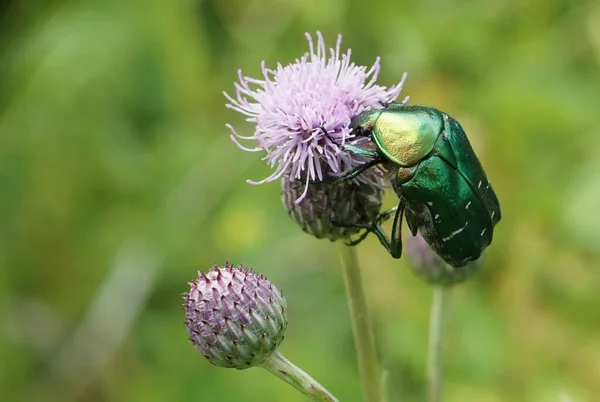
x: 368, y: 362
x: 293, y: 375
x: 385, y: 383
x: 437, y: 329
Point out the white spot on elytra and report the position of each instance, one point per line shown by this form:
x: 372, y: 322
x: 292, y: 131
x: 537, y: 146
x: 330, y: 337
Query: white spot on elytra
x: 429, y: 203
x: 436, y: 216
x: 457, y: 231
x: 493, y: 213
x: 483, y: 231
x: 479, y: 185
x: 468, y: 204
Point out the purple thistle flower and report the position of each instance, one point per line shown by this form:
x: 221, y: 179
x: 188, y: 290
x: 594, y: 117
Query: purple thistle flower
x: 431, y: 267
x: 291, y: 104
x: 236, y: 318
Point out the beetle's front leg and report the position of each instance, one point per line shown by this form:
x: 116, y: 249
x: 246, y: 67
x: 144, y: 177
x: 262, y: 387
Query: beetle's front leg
x: 376, y: 158
x: 361, y: 152
x: 350, y: 175
x: 352, y: 148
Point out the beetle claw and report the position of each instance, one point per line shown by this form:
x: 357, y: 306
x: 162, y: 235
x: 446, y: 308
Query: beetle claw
x: 353, y: 243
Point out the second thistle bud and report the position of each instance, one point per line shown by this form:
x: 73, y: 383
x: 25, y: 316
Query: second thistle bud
x: 431, y: 267
x: 325, y: 205
x: 235, y: 317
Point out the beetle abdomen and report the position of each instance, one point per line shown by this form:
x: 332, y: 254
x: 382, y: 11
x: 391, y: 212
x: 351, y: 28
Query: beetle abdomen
x: 452, y: 218
x: 471, y: 169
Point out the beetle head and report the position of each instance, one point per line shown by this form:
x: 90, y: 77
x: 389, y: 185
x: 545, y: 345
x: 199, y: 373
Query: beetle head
x: 363, y: 124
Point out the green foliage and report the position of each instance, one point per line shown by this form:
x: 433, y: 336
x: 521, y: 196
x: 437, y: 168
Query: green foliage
x: 119, y: 181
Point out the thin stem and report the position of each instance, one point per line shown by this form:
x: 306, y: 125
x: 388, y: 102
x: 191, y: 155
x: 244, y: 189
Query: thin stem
x: 385, y: 383
x: 293, y: 375
x: 437, y: 329
x: 368, y: 362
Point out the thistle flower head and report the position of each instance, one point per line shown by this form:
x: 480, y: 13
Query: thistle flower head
x: 302, y: 112
x: 234, y: 317
x: 326, y: 205
x: 431, y: 267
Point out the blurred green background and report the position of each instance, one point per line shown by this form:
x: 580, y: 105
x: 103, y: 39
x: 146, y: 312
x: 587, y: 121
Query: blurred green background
x: 118, y: 181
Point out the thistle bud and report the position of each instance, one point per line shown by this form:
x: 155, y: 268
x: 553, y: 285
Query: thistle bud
x: 235, y: 317
x: 347, y: 203
x: 431, y: 267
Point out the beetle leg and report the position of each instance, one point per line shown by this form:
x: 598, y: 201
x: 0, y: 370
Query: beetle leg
x: 412, y: 220
x: 352, y: 148
x: 357, y: 171
x: 368, y: 226
x: 360, y: 239
x: 384, y: 216
x: 350, y: 175
x: 361, y: 152
x: 372, y: 227
x: 396, y: 245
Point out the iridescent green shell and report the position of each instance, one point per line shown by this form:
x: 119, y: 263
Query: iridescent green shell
x: 443, y: 188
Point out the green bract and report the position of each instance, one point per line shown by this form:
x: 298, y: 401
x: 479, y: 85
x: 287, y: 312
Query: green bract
x: 444, y: 192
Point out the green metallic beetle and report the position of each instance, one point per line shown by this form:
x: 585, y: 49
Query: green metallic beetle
x: 444, y: 192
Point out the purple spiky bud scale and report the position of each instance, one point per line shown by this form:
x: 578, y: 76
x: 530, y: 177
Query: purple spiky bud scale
x: 235, y: 317
x: 324, y: 206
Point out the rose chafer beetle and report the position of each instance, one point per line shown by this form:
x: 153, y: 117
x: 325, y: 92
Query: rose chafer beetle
x: 444, y: 192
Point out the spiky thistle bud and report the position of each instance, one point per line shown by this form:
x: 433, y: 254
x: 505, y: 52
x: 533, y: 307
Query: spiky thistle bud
x: 324, y: 205
x: 431, y: 267
x: 235, y: 317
